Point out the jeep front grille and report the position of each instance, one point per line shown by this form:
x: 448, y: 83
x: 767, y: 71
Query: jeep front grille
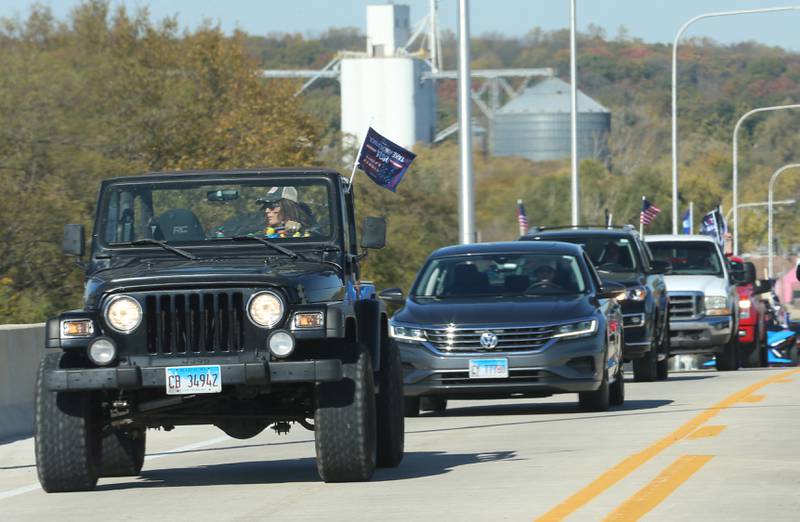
x: 508, y: 339
x: 194, y: 322
x: 685, y: 305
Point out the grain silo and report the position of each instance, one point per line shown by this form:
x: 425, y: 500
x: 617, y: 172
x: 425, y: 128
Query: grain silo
x: 536, y: 124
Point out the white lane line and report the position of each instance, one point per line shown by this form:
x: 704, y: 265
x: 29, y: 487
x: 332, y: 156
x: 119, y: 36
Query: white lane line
x: 197, y: 445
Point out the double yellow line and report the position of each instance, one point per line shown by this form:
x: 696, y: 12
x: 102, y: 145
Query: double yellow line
x: 679, y: 469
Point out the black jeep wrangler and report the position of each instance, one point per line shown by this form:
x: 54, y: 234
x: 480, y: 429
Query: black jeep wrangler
x: 620, y: 255
x: 230, y: 298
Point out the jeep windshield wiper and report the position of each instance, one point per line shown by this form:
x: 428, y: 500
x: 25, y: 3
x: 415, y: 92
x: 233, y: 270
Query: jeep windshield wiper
x: 162, y: 244
x: 282, y: 250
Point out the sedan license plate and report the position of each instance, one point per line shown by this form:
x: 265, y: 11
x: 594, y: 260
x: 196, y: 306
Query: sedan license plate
x: 182, y: 380
x: 488, y: 368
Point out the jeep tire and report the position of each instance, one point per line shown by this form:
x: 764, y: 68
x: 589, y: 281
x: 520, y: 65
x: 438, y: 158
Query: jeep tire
x: 344, y: 420
x: 121, y: 452
x: 65, y: 438
x: 390, y: 418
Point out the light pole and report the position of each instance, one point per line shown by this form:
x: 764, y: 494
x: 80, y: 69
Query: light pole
x: 769, y: 206
x: 576, y: 209
x: 675, y: 93
x: 736, y: 166
x: 466, y: 210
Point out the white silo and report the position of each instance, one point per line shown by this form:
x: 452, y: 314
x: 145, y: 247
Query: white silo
x: 384, y: 88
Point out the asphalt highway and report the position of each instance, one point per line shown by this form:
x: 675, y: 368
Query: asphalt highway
x: 701, y: 446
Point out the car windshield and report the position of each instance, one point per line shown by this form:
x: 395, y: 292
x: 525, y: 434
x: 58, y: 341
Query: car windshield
x: 608, y: 254
x: 688, y: 257
x: 499, y: 275
x: 197, y: 212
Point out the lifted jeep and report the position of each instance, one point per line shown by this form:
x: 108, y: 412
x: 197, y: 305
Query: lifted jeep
x: 202, y: 308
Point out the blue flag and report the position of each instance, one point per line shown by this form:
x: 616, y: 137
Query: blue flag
x: 686, y: 221
x: 384, y: 161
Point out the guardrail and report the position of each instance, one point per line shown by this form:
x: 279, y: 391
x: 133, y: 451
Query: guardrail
x: 21, y: 347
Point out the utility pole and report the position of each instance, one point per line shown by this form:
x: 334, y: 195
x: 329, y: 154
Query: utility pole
x: 466, y: 206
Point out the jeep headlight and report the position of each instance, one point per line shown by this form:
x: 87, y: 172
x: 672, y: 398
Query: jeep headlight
x: 716, y: 305
x: 637, y: 293
x: 123, y: 313
x: 573, y: 330
x: 265, y: 309
x: 406, y: 333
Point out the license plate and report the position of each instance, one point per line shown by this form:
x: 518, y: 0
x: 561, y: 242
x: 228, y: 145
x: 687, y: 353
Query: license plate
x: 488, y: 368
x: 182, y: 380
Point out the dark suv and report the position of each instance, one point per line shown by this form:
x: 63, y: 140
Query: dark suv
x: 198, y: 309
x: 620, y: 255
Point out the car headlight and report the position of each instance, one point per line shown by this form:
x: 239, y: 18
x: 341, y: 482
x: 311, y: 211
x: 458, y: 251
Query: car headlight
x: 406, y: 333
x: 637, y: 293
x: 581, y: 329
x: 123, y: 313
x: 265, y: 309
x: 716, y: 305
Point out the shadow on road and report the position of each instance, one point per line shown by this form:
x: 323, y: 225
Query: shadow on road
x: 539, y: 408
x: 414, y: 465
x: 690, y: 377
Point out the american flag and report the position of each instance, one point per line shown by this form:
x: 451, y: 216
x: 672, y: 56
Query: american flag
x: 522, y: 218
x: 649, y: 212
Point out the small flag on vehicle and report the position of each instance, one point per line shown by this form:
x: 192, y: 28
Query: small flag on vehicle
x: 649, y: 212
x: 522, y: 218
x: 714, y: 225
x: 384, y: 161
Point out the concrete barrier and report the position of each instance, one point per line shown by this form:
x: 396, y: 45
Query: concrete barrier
x: 21, y: 348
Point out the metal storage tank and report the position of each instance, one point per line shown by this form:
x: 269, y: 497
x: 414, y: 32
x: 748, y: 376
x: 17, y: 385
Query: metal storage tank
x: 536, y: 124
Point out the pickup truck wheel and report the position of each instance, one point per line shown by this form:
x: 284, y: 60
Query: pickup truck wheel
x: 597, y: 400
x: 646, y: 368
x: 344, y: 420
x: 391, y: 421
x: 728, y: 359
x: 433, y: 404
x: 121, y: 453
x: 617, y: 389
x: 65, y: 436
x: 411, y: 406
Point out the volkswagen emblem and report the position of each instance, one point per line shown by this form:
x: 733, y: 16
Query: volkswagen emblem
x: 489, y: 340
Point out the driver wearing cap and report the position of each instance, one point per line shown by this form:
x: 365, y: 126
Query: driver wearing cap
x: 283, y: 215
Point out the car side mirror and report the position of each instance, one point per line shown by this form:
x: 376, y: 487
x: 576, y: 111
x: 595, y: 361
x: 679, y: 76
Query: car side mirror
x: 611, y: 290
x: 373, y: 232
x: 749, y: 273
x: 73, y: 242
x: 660, y: 267
x: 392, y: 295
x: 737, y: 277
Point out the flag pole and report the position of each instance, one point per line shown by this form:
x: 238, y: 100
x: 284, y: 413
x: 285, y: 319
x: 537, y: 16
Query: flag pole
x: 641, y: 223
x: 360, y: 149
x: 691, y: 217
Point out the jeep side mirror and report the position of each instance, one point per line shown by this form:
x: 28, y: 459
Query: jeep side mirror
x: 749, y: 273
x: 392, y: 295
x: 660, y: 267
x: 611, y: 290
x: 373, y: 232
x: 73, y: 242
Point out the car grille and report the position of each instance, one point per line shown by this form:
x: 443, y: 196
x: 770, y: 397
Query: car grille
x: 508, y: 339
x: 684, y: 305
x: 520, y: 376
x: 194, y: 322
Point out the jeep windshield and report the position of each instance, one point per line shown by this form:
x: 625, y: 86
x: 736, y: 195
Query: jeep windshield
x: 198, y: 212
x: 608, y: 254
x: 688, y: 257
x: 500, y: 275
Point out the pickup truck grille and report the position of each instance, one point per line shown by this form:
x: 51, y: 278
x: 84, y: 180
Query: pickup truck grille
x: 685, y: 305
x: 194, y: 322
x: 508, y: 339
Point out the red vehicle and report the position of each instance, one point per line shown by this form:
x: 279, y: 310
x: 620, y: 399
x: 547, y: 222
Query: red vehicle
x: 752, y: 317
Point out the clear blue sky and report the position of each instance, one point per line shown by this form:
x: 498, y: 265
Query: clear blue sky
x: 651, y: 20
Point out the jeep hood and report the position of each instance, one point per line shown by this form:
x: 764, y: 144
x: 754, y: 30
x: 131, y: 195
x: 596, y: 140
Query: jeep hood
x: 304, y: 281
x: 709, y: 285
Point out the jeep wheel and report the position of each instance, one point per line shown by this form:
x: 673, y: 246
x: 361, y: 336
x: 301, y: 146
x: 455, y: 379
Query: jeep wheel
x: 121, y: 453
x: 646, y: 368
x: 391, y: 421
x: 65, y: 439
x: 617, y: 389
x: 597, y: 400
x: 728, y: 359
x: 411, y: 406
x: 344, y: 418
x: 433, y: 404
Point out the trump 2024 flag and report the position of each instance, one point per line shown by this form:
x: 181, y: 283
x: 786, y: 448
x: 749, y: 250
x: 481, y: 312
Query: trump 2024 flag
x: 384, y: 161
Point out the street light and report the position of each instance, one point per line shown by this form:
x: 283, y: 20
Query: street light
x: 675, y: 93
x: 466, y: 207
x: 769, y: 205
x: 760, y: 204
x: 576, y: 209
x: 736, y: 166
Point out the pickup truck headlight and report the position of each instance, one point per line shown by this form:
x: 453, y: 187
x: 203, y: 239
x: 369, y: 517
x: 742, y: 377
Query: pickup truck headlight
x: 716, y: 305
x: 123, y: 313
x: 574, y: 330
x: 406, y: 333
x: 636, y: 293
